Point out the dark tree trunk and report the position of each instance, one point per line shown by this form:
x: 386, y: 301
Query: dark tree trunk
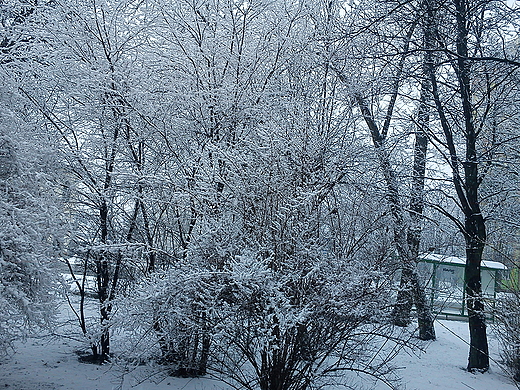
x: 474, y: 226
x: 411, y: 289
x: 466, y: 187
x: 424, y: 314
x: 103, y: 282
x: 102, y: 271
x: 401, y: 313
x: 205, y: 347
x: 475, y: 239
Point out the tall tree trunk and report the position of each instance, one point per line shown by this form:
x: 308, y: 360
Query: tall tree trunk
x: 475, y: 239
x: 474, y: 227
x: 102, y: 266
x: 406, y: 237
x: 416, y: 207
x: 410, y: 290
x: 424, y: 314
x: 103, y: 282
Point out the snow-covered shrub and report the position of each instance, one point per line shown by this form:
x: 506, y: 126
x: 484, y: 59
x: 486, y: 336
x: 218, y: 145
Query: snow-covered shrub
x: 290, y: 329
x: 24, y: 296
x: 255, y: 326
x: 29, y: 229
x: 507, y: 326
x: 167, y: 317
x: 26, y: 287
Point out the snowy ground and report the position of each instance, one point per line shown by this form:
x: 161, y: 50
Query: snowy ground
x: 442, y: 364
x: 51, y: 363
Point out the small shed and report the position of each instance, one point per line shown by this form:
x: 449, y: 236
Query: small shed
x: 443, y: 277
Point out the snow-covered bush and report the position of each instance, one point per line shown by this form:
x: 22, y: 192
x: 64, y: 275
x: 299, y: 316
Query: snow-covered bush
x: 24, y: 293
x: 507, y: 325
x: 26, y: 277
x: 168, y: 317
x: 290, y: 329
x: 257, y: 327
x: 30, y: 226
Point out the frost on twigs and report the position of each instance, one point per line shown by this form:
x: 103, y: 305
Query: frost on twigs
x: 257, y: 328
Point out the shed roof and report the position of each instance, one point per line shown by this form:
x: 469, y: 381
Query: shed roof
x: 434, y: 257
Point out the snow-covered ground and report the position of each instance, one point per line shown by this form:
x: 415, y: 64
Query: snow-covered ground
x: 442, y: 364
x: 51, y: 363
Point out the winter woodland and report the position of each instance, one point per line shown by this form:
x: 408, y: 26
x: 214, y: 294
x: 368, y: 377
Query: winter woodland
x: 242, y: 190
